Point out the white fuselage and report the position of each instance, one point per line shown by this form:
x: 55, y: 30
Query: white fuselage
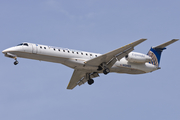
x: 76, y: 59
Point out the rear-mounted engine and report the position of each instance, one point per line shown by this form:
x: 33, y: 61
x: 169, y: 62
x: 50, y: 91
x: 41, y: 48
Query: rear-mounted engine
x: 135, y: 57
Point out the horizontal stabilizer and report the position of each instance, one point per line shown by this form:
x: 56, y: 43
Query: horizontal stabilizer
x: 155, y: 52
x: 166, y: 44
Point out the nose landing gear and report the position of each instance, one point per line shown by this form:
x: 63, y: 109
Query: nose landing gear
x: 16, y: 62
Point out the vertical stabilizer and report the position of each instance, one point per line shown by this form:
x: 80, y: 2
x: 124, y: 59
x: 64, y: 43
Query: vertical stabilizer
x: 155, y: 52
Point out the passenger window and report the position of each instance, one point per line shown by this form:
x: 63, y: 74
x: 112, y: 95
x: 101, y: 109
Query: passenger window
x: 86, y: 54
x: 81, y: 53
x: 63, y: 50
x: 96, y: 55
x: 44, y: 47
x: 73, y: 52
x: 90, y: 54
x: 77, y: 52
x: 68, y: 51
x: 41, y: 47
x: 54, y: 49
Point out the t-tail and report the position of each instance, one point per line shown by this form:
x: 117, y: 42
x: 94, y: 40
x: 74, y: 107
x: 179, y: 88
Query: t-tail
x: 155, y: 52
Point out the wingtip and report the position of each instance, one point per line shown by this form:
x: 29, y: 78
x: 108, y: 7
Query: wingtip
x: 143, y: 39
x: 68, y: 88
x: 175, y: 39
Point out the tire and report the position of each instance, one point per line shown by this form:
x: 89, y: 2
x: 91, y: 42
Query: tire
x: 90, y: 81
x: 106, y: 71
x: 16, y: 62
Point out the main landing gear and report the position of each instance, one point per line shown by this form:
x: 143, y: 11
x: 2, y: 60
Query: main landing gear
x: 106, y: 71
x: 16, y: 62
x: 90, y: 81
x: 104, y: 67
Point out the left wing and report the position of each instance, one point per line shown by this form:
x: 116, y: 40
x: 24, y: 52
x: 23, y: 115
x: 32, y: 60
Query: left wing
x: 111, y: 57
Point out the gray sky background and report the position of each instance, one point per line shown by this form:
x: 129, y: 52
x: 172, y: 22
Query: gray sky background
x: 35, y: 90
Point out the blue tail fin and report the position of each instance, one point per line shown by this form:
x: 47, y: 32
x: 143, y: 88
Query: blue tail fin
x: 155, y: 52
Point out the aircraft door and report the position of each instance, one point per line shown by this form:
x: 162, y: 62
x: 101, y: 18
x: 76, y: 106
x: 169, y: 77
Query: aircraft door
x: 34, y: 48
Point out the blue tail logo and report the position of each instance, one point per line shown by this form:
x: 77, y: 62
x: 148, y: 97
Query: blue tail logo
x: 155, y: 54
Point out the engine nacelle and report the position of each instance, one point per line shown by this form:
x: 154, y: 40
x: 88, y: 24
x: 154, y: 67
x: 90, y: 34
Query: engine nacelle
x: 137, y: 57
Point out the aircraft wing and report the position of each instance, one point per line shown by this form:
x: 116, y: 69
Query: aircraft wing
x: 111, y: 57
x: 77, y: 76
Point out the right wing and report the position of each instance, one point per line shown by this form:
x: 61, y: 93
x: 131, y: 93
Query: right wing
x: 80, y: 77
x: 77, y: 76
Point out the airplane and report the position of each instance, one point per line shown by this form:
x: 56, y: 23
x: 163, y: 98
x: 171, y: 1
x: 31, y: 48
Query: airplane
x: 88, y: 65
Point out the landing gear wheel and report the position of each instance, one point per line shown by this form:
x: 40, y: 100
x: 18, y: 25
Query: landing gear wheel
x: 90, y: 81
x: 106, y: 71
x: 16, y: 62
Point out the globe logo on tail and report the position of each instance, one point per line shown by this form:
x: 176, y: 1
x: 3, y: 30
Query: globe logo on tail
x: 154, y: 60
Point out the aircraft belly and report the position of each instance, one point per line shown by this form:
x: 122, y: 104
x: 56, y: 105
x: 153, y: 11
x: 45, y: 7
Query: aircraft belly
x: 77, y: 63
x: 124, y: 66
x: 126, y: 70
x: 70, y: 62
x: 40, y: 57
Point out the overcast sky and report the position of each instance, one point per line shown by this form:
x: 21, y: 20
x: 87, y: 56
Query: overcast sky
x: 35, y: 90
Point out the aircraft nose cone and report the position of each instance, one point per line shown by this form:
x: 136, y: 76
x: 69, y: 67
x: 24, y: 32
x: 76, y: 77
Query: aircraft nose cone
x: 8, y: 50
x: 5, y: 51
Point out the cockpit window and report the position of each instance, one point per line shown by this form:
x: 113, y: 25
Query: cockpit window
x: 25, y: 44
x: 22, y: 44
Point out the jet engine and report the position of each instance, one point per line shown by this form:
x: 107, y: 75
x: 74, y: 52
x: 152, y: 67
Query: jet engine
x: 135, y: 57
